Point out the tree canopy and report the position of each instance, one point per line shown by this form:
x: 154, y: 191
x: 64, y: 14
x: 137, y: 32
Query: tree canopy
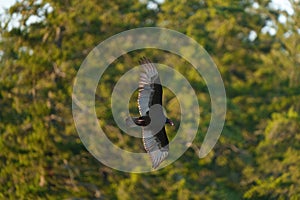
x: 256, y: 47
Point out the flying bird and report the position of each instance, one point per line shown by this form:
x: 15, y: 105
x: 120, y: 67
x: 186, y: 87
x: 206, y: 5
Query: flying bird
x: 152, y: 119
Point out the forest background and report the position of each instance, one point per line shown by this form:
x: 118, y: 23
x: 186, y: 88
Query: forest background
x: 256, y: 46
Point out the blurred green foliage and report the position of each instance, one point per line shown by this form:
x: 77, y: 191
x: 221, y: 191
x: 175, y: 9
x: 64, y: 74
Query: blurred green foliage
x: 257, y: 155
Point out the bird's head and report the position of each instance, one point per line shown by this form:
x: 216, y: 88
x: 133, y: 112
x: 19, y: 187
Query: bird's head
x: 168, y: 121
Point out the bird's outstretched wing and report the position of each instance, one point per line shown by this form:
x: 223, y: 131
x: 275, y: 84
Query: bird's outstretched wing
x: 150, y: 89
x: 156, y: 145
x: 150, y: 93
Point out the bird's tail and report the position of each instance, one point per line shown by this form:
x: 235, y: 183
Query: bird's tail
x: 130, y: 122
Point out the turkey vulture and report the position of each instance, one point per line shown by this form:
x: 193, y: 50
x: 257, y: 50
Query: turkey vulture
x: 152, y: 119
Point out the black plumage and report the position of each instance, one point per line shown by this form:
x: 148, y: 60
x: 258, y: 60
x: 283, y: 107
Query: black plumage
x: 152, y: 118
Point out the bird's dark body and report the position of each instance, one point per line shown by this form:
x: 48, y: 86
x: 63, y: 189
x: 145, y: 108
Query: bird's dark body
x: 142, y: 121
x: 152, y: 118
x: 145, y: 121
